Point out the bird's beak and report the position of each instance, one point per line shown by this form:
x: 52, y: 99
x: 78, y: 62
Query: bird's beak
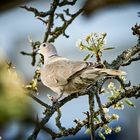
x: 37, y: 51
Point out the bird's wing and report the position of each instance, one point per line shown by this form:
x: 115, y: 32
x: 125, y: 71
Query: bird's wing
x: 59, y: 70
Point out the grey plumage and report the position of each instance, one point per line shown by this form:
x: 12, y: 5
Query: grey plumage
x: 65, y: 76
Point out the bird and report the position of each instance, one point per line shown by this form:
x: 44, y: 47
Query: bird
x: 64, y: 76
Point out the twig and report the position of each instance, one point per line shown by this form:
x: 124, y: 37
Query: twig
x: 35, y: 11
x: 33, y: 54
x: 136, y: 30
x: 67, y: 12
x: 41, y: 124
x: 61, y: 30
x: 137, y: 95
x: 61, y: 16
x: 44, y: 21
x: 66, y: 2
x: 102, y: 114
x: 39, y: 101
x: 51, y: 19
x: 58, y: 122
x: 50, y: 131
x: 91, y: 108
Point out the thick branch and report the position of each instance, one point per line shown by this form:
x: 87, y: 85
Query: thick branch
x: 131, y: 60
x: 124, y: 57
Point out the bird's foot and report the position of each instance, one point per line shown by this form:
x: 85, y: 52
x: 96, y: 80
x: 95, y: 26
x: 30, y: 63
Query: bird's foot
x: 54, y: 100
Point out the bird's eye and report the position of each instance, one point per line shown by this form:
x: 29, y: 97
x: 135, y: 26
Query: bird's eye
x: 44, y: 45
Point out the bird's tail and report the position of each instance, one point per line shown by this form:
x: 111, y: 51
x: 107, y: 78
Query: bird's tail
x: 94, y: 74
x: 111, y: 72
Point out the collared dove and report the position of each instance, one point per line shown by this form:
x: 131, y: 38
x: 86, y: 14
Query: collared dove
x: 64, y: 76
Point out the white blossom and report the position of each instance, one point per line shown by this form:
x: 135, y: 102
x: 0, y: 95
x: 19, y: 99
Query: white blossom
x: 78, y: 43
x: 106, y: 110
x: 115, y: 117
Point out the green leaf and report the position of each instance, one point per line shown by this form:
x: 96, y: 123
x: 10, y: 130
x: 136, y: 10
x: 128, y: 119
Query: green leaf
x: 89, y: 48
x: 110, y: 48
x: 101, y: 135
x: 87, y: 57
x: 94, y: 50
x: 88, y: 38
x: 128, y: 102
x: 100, y: 46
x: 97, y: 119
x: 88, y: 132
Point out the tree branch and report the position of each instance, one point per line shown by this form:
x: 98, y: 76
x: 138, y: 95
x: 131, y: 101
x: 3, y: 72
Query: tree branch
x: 131, y: 92
x: 131, y: 60
x: 58, y: 122
x: 67, y: 2
x: 124, y: 57
x: 91, y: 109
x: 39, y: 101
x: 61, y: 30
x: 51, y: 19
x: 35, y: 11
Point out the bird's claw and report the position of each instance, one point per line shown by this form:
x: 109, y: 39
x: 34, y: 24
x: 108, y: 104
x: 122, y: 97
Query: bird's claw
x: 54, y: 100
